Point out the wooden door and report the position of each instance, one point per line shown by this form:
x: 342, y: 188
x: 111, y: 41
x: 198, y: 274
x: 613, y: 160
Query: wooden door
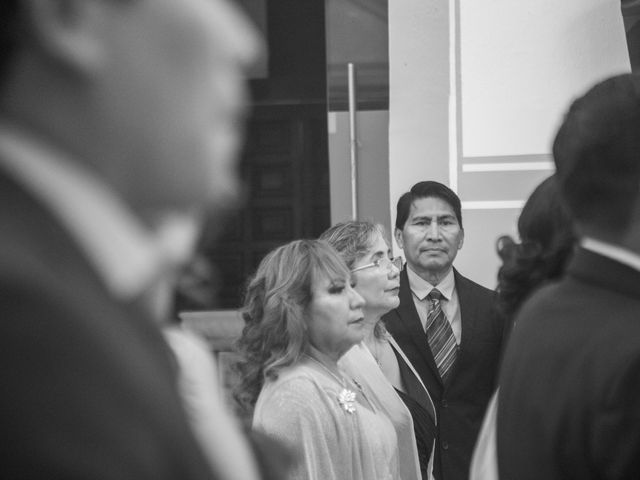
x: 286, y: 174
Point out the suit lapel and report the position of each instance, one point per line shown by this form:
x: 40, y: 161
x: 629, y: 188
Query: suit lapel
x: 52, y: 251
x: 37, y: 230
x: 610, y: 274
x: 468, y: 317
x: 422, y: 395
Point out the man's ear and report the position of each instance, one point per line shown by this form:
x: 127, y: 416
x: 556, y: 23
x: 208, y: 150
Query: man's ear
x: 70, y: 31
x: 397, y: 233
x: 461, y: 238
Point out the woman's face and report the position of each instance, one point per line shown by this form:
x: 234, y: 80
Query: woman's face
x: 335, y: 320
x: 379, y: 286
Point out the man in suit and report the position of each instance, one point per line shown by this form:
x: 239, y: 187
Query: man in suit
x: 569, y: 403
x: 445, y: 322
x: 117, y: 122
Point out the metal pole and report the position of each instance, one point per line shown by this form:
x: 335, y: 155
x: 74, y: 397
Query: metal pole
x: 353, y: 144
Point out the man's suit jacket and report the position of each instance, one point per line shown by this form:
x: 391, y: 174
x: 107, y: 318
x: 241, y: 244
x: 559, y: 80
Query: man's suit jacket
x: 570, y: 384
x: 461, y: 402
x: 88, y: 384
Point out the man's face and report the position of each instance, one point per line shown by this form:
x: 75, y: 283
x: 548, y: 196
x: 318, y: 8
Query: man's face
x: 431, y: 237
x: 173, y: 94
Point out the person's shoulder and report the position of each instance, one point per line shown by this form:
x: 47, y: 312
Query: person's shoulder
x: 293, y: 385
x: 17, y: 263
x: 30, y: 288
x: 466, y: 283
x: 295, y: 398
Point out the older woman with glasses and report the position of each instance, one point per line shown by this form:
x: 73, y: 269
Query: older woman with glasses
x: 377, y: 362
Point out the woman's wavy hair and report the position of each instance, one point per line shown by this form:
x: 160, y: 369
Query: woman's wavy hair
x: 353, y: 240
x: 547, y: 241
x: 274, y: 311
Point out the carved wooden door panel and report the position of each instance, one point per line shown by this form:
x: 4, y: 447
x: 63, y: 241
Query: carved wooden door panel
x: 286, y: 174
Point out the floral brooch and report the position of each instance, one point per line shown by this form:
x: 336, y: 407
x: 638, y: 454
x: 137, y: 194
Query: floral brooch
x: 347, y: 400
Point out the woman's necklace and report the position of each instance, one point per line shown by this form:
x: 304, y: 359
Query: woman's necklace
x: 346, y: 398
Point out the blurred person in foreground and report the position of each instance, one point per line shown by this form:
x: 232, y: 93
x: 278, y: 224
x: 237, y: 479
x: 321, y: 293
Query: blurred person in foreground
x: 445, y: 323
x: 118, y: 120
x: 378, y: 363
x: 547, y: 241
x: 302, y: 315
x: 569, y: 403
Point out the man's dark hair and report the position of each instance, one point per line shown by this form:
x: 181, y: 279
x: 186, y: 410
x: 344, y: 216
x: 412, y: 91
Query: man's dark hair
x: 10, y: 26
x: 597, y: 154
x: 425, y: 190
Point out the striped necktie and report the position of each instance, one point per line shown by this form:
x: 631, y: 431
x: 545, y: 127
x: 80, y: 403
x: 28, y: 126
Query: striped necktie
x: 440, y: 335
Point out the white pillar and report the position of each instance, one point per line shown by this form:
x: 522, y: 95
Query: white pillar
x: 477, y: 91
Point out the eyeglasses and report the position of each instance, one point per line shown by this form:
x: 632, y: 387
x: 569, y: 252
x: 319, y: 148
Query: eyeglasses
x: 395, y: 261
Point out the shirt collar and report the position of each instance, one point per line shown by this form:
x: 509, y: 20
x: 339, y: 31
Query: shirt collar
x: 421, y: 288
x: 614, y: 252
x: 127, y: 255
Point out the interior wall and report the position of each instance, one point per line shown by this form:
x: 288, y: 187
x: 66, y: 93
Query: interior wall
x: 357, y: 39
x: 372, y: 166
x: 519, y: 75
x: 477, y: 90
x: 419, y: 79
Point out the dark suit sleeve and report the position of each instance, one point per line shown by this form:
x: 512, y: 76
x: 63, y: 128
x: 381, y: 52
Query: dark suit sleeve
x: 86, y: 395
x: 615, y: 440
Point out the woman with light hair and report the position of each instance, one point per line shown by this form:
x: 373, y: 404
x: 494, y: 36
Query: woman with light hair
x: 302, y: 314
x: 377, y: 362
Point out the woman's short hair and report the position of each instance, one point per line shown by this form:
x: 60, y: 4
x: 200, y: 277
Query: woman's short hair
x: 547, y: 240
x: 274, y: 311
x: 353, y: 239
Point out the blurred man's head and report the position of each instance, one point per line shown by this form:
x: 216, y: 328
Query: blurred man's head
x: 149, y: 93
x: 429, y: 229
x: 597, y: 156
